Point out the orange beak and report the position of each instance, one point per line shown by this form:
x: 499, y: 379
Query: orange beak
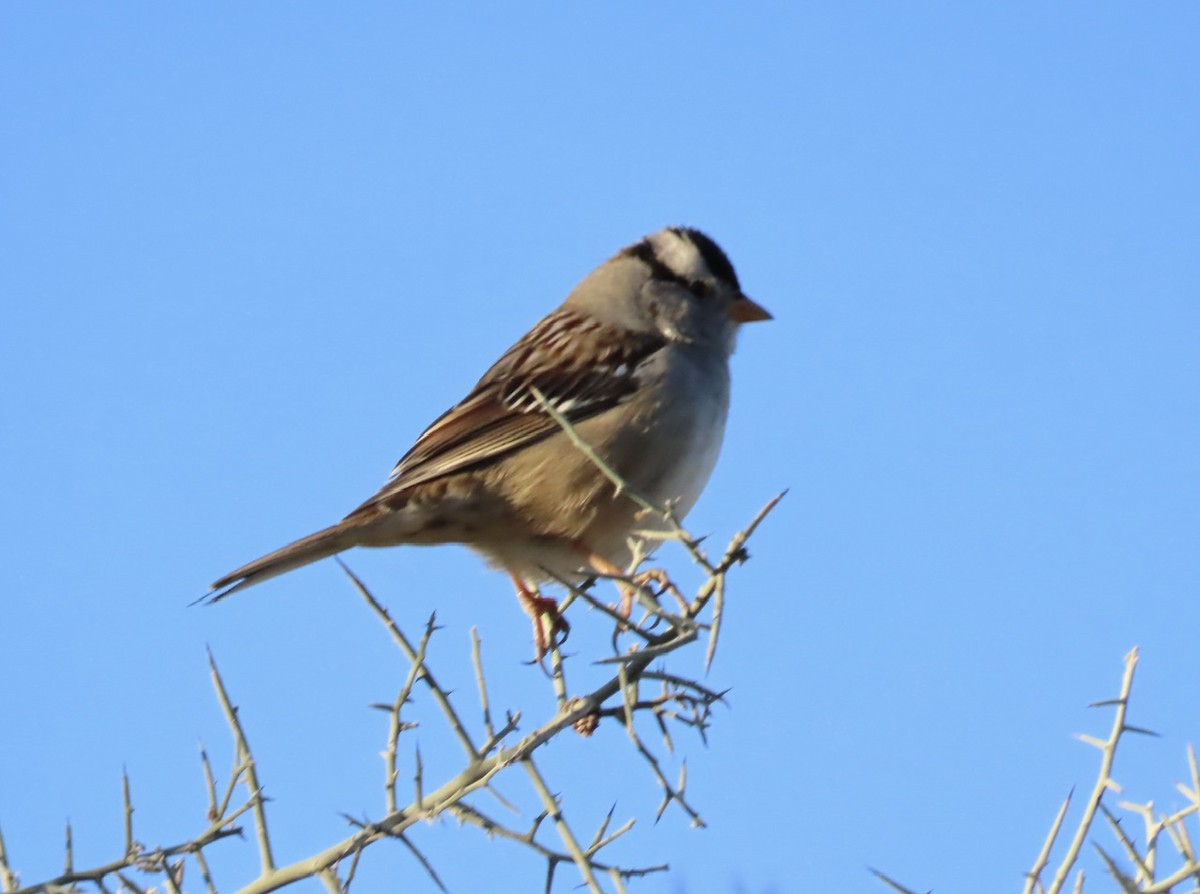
x: 745, y: 310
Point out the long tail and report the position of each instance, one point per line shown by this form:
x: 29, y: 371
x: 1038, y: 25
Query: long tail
x: 331, y: 540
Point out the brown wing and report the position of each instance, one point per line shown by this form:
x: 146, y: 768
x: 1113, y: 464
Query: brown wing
x: 582, y: 367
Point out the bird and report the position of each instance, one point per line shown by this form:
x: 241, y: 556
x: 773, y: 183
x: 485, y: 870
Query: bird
x: 634, y: 364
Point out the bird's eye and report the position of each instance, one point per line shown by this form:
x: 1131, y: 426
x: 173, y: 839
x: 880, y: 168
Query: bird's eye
x: 700, y: 289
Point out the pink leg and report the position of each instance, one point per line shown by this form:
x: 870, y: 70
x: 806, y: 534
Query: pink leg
x: 629, y: 590
x: 540, y: 608
x: 604, y: 566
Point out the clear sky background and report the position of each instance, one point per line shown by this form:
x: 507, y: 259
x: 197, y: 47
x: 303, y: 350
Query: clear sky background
x: 251, y: 250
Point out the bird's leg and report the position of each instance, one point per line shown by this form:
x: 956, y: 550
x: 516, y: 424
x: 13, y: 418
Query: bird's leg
x: 546, y: 616
x: 628, y: 590
x: 666, y: 585
x: 629, y: 586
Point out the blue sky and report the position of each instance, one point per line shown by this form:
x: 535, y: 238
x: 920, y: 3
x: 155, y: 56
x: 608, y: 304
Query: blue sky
x: 251, y: 250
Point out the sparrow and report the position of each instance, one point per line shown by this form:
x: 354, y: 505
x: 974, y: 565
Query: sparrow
x: 636, y: 363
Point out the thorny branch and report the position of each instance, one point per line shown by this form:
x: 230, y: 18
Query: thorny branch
x: 1144, y: 873
x: 489, y: 751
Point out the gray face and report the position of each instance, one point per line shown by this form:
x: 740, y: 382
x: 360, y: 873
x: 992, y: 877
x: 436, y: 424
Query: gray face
x: 676, y: 282
x: 691, y: 287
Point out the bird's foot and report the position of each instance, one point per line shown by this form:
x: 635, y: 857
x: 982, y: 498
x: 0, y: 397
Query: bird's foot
x: 548, y: 621
x: 642, y: 581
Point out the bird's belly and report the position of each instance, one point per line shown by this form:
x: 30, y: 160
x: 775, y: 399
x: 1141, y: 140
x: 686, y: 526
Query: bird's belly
x: 664, y: 449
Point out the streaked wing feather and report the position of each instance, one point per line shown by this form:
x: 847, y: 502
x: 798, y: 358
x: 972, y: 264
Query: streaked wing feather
x: 488, y: 430
x: 580, y: 365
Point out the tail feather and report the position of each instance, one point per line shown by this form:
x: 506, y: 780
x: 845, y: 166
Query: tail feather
x: 308, y: 549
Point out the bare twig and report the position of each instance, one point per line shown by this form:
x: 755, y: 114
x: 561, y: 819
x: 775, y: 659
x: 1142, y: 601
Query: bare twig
x: 243, y: 749
x: 440, y: 695
x: 481, y: 682
x: 681, y: 701
x: 1104, y: 781
x: 396, y: 725
x: 1034, y: 875
x: 582, y: 862
x: 8, y: 878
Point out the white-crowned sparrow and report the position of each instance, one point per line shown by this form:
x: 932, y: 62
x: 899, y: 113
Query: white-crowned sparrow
x: 636, y: 359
